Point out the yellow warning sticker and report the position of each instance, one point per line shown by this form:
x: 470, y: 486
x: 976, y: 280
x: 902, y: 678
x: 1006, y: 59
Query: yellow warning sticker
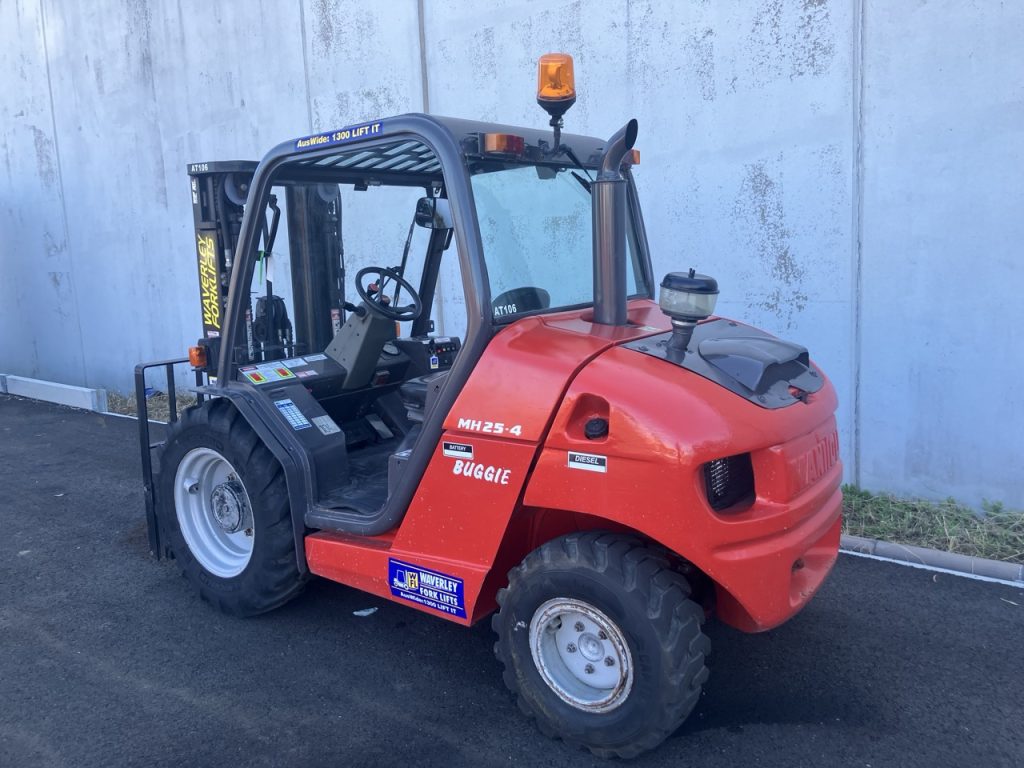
x: 208, y: 289
x: 263, y: 374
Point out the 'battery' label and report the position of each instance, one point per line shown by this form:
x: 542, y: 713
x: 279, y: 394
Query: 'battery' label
x: 457, y: 450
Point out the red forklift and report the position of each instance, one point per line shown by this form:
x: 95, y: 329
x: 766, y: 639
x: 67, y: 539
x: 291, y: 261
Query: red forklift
x: 599, y: 469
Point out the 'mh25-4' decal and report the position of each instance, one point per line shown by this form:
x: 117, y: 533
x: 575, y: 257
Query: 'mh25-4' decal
x: 491, y: 427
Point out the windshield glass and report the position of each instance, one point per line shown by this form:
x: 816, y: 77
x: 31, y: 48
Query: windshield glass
x: 535, y: 223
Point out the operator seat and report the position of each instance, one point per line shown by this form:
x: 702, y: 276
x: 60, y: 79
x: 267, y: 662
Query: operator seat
x: 418, y: 394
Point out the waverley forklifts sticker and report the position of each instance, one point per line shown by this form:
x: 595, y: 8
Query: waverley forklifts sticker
x: 430, y: 588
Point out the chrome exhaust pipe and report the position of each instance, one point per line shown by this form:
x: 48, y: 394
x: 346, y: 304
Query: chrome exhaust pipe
x: 608, y: 191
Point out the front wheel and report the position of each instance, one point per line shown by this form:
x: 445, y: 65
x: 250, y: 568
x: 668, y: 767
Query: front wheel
x: 223, y: 510
x: 601, y: 643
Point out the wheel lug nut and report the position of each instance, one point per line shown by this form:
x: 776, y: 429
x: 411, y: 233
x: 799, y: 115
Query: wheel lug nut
x: 589, y: 669
x: 609, y: 661
x: 571, y: 647
x: 602, y: 635
x: 579, y: 626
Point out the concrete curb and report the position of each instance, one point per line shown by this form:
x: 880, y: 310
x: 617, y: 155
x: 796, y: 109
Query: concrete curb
x: 950, y: 561
x: 52, y: 392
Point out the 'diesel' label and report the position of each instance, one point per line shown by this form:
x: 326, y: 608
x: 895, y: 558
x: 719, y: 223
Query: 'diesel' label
x: 591, y: 462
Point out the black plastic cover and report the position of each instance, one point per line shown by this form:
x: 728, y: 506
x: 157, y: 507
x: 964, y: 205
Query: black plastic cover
x: 595, y: 428
x: 690, y: 282
x: 767, y: 371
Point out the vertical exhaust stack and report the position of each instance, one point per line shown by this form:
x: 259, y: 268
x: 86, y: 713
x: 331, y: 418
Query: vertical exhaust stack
x: 609, y: 229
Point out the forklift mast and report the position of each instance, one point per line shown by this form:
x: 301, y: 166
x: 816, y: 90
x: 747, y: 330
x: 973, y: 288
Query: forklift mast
x: 315, y: 253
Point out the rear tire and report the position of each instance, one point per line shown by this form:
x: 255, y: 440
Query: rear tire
x: 223, y: 511
x: 601, y: 607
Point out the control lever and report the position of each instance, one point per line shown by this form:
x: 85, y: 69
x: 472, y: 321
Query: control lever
x: 360, y: 310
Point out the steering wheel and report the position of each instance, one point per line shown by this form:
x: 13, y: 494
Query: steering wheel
x: 374, y: 294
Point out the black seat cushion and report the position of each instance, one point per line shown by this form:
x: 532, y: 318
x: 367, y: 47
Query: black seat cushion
x: 414, y: 393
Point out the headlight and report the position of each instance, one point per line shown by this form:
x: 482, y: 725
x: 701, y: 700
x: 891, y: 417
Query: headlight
x: 730, y: 483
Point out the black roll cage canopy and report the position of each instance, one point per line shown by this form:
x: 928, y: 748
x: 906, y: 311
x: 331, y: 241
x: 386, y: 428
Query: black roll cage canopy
x: 453, y: 142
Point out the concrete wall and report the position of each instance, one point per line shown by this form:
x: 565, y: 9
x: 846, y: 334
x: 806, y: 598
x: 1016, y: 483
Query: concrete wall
x: 942, y: 233
x: 847, y: 170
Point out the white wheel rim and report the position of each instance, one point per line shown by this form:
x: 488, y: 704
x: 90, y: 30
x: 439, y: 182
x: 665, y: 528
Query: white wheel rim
x: 214, y: 512
x: 581, y: 655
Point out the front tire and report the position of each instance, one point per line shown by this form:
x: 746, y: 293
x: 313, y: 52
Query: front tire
x: 222, y: 506
x: 601, y: 643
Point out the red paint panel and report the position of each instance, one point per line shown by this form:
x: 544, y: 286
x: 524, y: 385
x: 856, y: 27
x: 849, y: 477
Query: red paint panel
x: 665, y: 423
x: 520, y: 379
x: 541, y: 379
x: 459, y: 515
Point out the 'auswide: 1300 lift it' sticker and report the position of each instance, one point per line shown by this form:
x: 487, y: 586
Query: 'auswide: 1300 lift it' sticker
x: 430, y: 588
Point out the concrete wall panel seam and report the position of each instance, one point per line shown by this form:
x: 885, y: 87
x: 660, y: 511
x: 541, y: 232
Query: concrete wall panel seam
x: 857, y: 230
x: 424, y: 82
x: 60, y: 190
x: 305, y: 63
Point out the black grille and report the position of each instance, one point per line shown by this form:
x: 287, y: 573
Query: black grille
x: 729, y: 481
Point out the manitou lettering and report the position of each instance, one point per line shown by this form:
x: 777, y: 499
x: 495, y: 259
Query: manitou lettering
x: 818, y: 460
x: 488, y: 473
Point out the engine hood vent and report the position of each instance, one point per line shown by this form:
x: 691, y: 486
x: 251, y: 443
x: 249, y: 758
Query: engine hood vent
x: 766, y: 371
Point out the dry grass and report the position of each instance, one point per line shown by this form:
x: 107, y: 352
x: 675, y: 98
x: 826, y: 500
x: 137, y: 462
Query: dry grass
x: 159, y: 408
x: 995, y: 533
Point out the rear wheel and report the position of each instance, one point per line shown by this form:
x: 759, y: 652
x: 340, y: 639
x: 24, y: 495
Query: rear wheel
x: 223, y: 509
x: 601, y: 643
